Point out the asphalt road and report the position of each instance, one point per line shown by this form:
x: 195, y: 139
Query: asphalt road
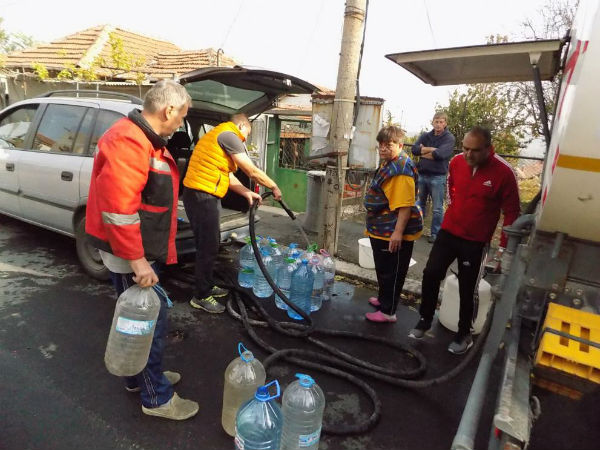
x: 55, y: 392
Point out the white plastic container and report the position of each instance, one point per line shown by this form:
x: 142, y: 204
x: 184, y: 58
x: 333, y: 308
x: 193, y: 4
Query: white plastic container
x: 449, y: 309
x: 365, y: 254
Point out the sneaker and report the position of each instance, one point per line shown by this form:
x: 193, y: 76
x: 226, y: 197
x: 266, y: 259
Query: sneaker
x: 380, y: 317
x: 419, y: 330
x: 461, y: 344
x: 175, y: 409
x: 173, y: 378
x: 208, y: 304
x: 374, y: 301
x: 218, y: 292
x: 431, y: 238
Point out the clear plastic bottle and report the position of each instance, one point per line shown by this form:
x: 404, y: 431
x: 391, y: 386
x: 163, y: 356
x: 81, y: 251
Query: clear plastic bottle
x: 316, y: 297
x: 131, y: 331
x: 261, y: 287
x: 259, y: 421
x: 276, y: 253
x: 243, y: 376
x: 328, y: 275
x: 292, y: 248
x: 301, y: 289
x: 284, y: 279
x: 246, y: 272
x: 302, y: 404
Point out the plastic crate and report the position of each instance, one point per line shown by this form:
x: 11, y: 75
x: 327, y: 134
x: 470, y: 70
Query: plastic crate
x: 572, y: 351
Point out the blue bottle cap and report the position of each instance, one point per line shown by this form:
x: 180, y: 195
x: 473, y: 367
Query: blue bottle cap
x: 305, y: 261
x: 293, y: 245
x: 305, y: 380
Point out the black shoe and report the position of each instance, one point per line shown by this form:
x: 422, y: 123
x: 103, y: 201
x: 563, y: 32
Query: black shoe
x: 461, y: 344
x: 431, y: 239
x: 218, y: 292
x: 419, y: 330
x: 208, y: 304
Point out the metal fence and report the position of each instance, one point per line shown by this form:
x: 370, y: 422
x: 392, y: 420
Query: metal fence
x: 528, y: 171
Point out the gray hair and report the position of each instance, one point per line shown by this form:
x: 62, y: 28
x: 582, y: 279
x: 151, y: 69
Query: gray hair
x: 166, y: 93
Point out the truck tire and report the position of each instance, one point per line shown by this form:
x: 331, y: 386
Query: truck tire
x: 89, y: 256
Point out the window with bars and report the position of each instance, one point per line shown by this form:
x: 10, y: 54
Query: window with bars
x: 294, y: 144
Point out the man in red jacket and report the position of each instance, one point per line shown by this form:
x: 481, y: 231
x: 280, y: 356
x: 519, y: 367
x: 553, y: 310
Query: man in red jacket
x: 131, y: 218
x: 480, y: 185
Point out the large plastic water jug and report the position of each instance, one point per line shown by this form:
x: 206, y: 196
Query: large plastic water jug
x: 449, y: 309
x: 243, y: 376
x: 261, y: 287
x: 131, y: 331
x: 316, y: 297
x: 246, y: 272
x: 276, y: 252
x: 302, y: 404
x: 328, y: 275
x: 284, y: 279
x: 301, y: 289
x: 259, y: 421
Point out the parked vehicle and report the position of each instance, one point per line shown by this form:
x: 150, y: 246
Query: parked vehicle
x: 47, y: 145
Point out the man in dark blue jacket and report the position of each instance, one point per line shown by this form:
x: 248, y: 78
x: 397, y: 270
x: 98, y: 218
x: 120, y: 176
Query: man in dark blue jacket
x: 435, y: 150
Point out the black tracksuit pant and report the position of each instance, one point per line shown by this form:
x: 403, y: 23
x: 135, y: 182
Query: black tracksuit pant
x: 446, y: 248
x: 391, y: 271
x: 202, y: 210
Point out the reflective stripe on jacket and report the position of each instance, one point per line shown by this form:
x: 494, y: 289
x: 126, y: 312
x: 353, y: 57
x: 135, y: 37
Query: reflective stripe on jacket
x: 209, y: 166
x: 132, y: 203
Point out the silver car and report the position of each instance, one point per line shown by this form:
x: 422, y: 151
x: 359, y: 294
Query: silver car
x: 47, y: 146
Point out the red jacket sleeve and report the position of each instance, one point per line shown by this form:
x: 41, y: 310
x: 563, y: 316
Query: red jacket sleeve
x: 511, y: 205
x: 119, y: 184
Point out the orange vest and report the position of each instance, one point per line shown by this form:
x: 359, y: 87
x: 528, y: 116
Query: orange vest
x: 210, y: 166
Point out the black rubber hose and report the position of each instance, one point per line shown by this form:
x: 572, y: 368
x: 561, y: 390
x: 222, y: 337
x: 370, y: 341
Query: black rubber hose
x: 334, y: 361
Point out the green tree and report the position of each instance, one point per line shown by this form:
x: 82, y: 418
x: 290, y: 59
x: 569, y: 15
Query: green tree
x: 553, y: 20
x: 486, y: 105
x: 10, y: 42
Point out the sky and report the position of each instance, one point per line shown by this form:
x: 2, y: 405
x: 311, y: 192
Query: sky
x: 301, y: 38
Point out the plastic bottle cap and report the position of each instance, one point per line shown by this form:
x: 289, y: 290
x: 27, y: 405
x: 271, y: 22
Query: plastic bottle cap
x: 293, y: 245
x: 305, y: 380
x: 305, y: 261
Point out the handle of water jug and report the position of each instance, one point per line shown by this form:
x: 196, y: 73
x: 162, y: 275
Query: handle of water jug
x: 241, y: 350
x: 278, y: 391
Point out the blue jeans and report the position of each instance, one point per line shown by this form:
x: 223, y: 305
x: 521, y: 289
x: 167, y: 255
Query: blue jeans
x: 156, y: 389
x: 433, y: 186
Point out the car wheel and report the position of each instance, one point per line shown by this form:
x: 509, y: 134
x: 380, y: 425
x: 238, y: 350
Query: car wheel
x: 89, y: 256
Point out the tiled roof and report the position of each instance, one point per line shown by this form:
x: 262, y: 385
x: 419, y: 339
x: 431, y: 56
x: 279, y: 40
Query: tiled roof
x: 159, y: 59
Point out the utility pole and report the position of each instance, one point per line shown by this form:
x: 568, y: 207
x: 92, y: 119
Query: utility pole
x: 342, y: 120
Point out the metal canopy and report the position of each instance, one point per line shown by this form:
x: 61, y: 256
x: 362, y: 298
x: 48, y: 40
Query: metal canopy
x: 492, y: 63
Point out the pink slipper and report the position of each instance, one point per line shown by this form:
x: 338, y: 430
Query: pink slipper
x: 374, y: 301
x: 380, y: 317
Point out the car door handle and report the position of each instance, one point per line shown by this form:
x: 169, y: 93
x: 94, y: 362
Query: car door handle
x: 66, y: 176
x: 10, y: 167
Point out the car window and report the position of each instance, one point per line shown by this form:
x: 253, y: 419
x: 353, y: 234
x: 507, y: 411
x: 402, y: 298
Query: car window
x: 83, y: 136
x: 214, y: 96
x: 58, y: 128
x: 104, y: 122
x: 14, y: 126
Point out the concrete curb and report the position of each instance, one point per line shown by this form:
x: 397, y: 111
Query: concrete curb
x: 368, y: 276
